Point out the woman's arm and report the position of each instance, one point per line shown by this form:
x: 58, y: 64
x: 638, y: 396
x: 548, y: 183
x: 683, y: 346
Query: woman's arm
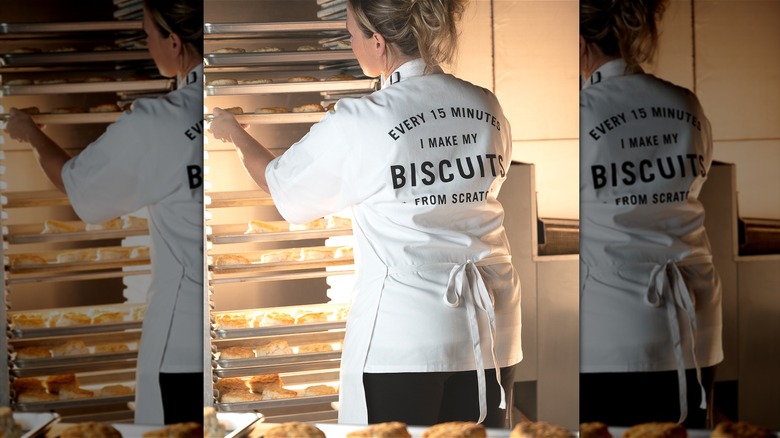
x: 254, y: 155
x: 50, y: 155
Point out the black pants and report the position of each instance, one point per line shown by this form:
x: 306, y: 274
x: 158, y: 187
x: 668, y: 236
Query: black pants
x: 424, y: 399
x: 626, y: 399
x: 182, y: 397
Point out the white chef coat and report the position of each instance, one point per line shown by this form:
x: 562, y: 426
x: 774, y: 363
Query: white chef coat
x: 420, y: 164
x: 650, y: 296
x: 153, y: 156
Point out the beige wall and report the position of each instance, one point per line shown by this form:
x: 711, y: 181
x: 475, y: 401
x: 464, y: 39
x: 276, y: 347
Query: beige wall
x: 728, y: 52
x: 526, y: 52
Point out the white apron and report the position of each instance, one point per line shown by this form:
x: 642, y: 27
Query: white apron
x: 650, y: 297
x: 153, y: 157
x: 420, y: 164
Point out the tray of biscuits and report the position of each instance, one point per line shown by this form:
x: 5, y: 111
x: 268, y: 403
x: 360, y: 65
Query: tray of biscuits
x: 76, y: 320
x: 279, y: 321
x: 71, y: 231
x: 282, y: 259
x: 58, y: 391
x: 242, y: 198
x: 78, y: 259
x: 275, y: 231
x: 332, y: 83
x: 236, y: 56
x: 277, y: 351
x: 69, y: 56
x: 100, y: 84
x: 269, y: 391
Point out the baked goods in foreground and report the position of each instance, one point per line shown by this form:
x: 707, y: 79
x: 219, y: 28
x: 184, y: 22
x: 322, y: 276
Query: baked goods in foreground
x: 294, y: 430
x: 212, y: 428
x: 455, y: 429
x: 19, y: 82
x: 134, y: 222
x: 741, y: 429
x: 392, y: 429
x: 656, y: 430
x: 539, y: 429
x: 177, y: 430
x: 8, y: 427
x: 90, y: 429
x: 594, y: 429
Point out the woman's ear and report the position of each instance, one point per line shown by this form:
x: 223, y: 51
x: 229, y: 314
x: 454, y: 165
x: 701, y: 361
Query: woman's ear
x: 378, y: 44
x: 174, y: 43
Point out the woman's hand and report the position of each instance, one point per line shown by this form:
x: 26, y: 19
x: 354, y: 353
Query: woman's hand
x: 224, y: 125
x: 21, y: 126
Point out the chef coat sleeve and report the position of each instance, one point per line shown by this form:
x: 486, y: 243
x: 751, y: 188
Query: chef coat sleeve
x: 324, y: 173
x: 114, y: 174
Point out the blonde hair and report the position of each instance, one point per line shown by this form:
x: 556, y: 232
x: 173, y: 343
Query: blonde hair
x: 181, y: 17
x: 424, y: 28
x: 625, y: 28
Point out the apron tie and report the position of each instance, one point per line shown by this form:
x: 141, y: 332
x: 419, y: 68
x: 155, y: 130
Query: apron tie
x: 466, y: 284
x: 667, y: 289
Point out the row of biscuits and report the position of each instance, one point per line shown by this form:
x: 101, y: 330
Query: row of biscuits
x: 305, y: 108
x: 71, y: 347
x: 88, y: 80
x: 119, y: 223
x: 292, y: 79
x: 264, y: 387
x: 396, y: 429
x: 340, y: 45
x: 273, y: 348
x: 100, y: 108
x: 61, y: 49
x: 323, y: 223
x: 76, y: 317
x: 80, y: 255
x: 660, y: 429
x: 255, y: 319
x: 61, y: 387
x: 286, y: 255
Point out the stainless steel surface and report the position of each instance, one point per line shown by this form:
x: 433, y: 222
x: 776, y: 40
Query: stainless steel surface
x: 60, y: 58
x: 272, y: 29
x: 75, y: 330
x: 365, y: 85
x: 281, y: 368
x: 269, y: 404
x: 82, y: 26
x: 222, y: 234
x: 280, y: 359
x: 72, y: 404
x: 277, y: 119
x: 73, y: 360
x: 72, y: 119
x: 89, y: 87
x: 279, y: 330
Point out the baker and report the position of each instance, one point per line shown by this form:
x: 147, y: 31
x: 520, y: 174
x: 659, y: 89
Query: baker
x: 650, y: 310
x: 152, y: 157
x: 433, y: 333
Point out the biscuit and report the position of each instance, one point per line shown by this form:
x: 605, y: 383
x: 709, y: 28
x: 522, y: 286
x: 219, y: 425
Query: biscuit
x: 115, y: 390
x: 393, y: 429
x: 240, y: 397
x: 28, y: 320
x: 27, y: 260
x: 111, y: 224
x: 594, y: 429
x: 33, y: 353
x: 177, y: 430
x: 539, y: 429
x: 284, y: 255
x: 231, y: 259
x: 272, y: 110
x: 57, y: 382
x: 309, y: 108
x: 315, y: 390
x: 265, y: 49
x: 68, y: 319
x: 236, y: 353
x: 741, y: 429
x: 256, y: 81
x: 73, y: 347
x: 105, y: 108
x: 231, y: 384
x: 311, y: 317
x: 68, y: 110
x: 656, y: 430
x: 27, y: 384
x: 75, y: 393
x: 229, y: 50
x: 294, y: 430
x: 36, y: 396
x: 274, y: 348
x: 114, y: 347
x: 315, y: 348
x: 224, y: 81
x: 276, y: 318
x: 316, y: 224
x: 303, y: 79
x: 455, y: 429
x: 259, y: 383
x: 232, y: 321
x: 340, y: 77
x: 278, y: 393
x: 90, y: 429
x: 54, y: 227
x: 308, y: 48
x: 256, y: 226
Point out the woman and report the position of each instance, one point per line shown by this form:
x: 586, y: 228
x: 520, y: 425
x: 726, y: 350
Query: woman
x: 420, y: 163
x: 152, y: 157
x: 650, y: 297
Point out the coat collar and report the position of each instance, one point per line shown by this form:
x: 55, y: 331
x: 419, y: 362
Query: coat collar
x: 409, y: 69
x: 610, y: 69
x: 192, y: 77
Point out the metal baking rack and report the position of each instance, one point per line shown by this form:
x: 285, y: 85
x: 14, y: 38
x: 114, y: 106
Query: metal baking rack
x: 279, y: 360
x: 17, y: 234
x: 220, y: 234
x: 19, y: 333
x: 316, y: 57
x: 89, y: 87
x: 37, y: 198
x: 277, y: 119
x: 61, y: 58
x: 72, y: 404
x: 325, y: 86
x: 243, y: 198
x: 288, y: 329
x: 72, y: 119
x: 47, y: 29
x: 273, y: 29
x: 282, y: 403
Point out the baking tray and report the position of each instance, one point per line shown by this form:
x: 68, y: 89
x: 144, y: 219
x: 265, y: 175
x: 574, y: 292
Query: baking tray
x: 74, y: 276
x: 280, y: 359
x: 54, y: 266
x: 293, y: 87
x: 302, y: 57
x: 281, y: 266
x: 274, y: 29
x: 74, y: 360
x: 72, y: 404
x: 277, y: 276
x: 246, y: 198
x: 32, y: 234
x: 83, y: 26
x: 75, y: 330
x: 88, y: 87
x: 278, y: 330
x: 282, y: 403
x: 234, y: 233
x: 40, y: 198
x: 71, y: 119
x: 276, y: 119
x: 69, y: 58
